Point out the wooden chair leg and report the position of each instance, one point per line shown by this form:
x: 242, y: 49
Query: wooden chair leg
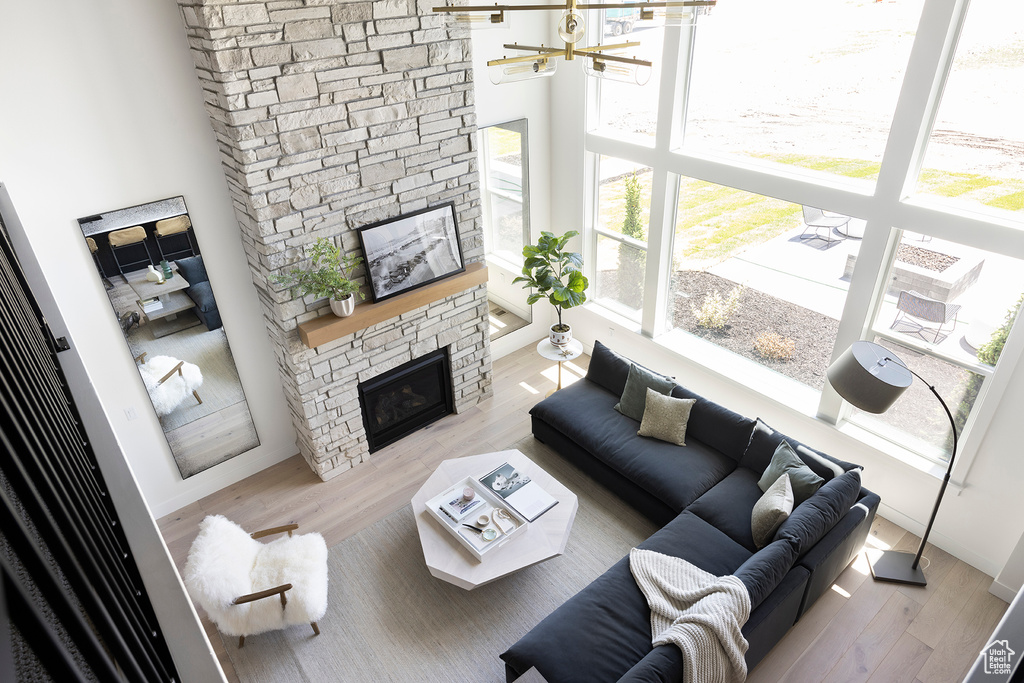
x: 196, y: 394
x: 241, y: 641
x: 316, y: 629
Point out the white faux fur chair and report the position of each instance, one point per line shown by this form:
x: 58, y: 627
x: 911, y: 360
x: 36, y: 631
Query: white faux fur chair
x: 169, y: 382
x: 237, y: 579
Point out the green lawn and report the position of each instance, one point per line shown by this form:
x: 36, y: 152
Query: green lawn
x: 715, y: 222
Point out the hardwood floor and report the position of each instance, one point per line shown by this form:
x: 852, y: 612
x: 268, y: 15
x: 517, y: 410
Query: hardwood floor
x: 862, y: 630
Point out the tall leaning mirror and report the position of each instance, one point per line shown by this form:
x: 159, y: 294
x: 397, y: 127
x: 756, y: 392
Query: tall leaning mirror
x: 505, y: 190
x: 149, y: 262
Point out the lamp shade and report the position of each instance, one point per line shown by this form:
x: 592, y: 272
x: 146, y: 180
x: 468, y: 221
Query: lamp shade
x: 869, y: 376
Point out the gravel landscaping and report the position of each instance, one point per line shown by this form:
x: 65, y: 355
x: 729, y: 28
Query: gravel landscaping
x: 812, y: 333
x: 924, y: 258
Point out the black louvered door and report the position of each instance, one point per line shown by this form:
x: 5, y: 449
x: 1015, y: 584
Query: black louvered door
x: 73, y: 604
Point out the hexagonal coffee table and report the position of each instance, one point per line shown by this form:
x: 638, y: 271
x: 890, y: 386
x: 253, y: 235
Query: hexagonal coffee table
x: 544, y: 538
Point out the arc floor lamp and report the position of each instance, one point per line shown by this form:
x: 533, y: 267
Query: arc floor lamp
x: 871, y: 378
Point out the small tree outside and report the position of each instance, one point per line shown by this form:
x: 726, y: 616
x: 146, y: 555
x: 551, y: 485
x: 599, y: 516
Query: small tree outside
x: 632, y: 261
x: 989, y: 354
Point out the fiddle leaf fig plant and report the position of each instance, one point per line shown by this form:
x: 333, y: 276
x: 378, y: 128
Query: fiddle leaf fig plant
x: 554, y: 273
x: 328, y: 275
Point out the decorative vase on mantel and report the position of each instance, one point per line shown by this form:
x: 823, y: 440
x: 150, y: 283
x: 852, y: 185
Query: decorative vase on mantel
x: 561, y: 339
x: 344, y: 307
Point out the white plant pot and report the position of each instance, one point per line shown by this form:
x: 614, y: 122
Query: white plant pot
x: 343, y: 308
x: 561, y: 339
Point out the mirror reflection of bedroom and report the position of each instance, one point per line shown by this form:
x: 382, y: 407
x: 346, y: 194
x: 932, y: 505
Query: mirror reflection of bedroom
x: 149, y: 261
x: 505, y: 190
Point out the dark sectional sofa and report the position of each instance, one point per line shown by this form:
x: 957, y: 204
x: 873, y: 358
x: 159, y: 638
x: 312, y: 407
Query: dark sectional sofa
x: 200, y: 291
x: 703, y: 494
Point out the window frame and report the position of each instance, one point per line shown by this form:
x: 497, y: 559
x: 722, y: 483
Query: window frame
x: 888, y: 205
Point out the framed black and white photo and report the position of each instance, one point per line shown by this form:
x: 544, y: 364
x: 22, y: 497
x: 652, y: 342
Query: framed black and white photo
x: 410, y: 251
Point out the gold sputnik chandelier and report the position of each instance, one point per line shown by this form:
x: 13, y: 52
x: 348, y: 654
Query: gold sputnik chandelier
x: 541, y: 61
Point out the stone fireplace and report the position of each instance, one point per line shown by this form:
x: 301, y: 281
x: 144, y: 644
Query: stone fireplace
x: 331, y: 115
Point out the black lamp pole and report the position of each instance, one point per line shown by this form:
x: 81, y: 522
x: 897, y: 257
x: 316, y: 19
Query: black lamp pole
x: 863, y: 376
x: 893, y: 565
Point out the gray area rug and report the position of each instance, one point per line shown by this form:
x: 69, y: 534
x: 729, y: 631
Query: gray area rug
x: 208, y: 350
x: 388, y: 619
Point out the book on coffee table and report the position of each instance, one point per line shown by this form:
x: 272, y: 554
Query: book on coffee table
x: 458, y: 507
x: 519, y: 492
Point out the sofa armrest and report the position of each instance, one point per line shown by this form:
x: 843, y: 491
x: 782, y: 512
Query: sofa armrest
x: 827, y: 559
x: 663, y: 664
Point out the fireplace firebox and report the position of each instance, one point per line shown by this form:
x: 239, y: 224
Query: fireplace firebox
x: 404, y: 399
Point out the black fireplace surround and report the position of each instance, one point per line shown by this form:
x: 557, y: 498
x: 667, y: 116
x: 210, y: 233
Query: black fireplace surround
x: 404, y: 399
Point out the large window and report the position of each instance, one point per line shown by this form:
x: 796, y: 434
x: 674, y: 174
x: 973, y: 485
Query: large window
x: 765, y: 275
x: 505, y: 190
x: 761, y: 277
x: 813, y: 83
x: 623, y: 215
x: 976, y: 150
x: 945, y: 312
x: 626, y: 108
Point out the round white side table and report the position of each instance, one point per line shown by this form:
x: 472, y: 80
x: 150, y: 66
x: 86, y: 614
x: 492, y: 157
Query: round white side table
x: 549, y: 351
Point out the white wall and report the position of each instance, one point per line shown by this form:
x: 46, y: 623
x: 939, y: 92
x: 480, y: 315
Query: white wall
x: 500, y: 103
x: 102, y: 110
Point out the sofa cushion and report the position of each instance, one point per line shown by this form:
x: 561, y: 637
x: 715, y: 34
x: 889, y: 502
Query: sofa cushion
x: 698, y: 542
x: 675, y: 475
x: 728, y: 505
x: 771, y: 510
x: 634, y: 394
x: 202, y: 295
x: 813, y: 518
x: 665, y: 417
x: 717, y: 426
x: 764, y: 440
x: 192, y: 269
x: 765, y: 569
x: 615, y: 612
x: 785, y: 461
x: 711, y: 423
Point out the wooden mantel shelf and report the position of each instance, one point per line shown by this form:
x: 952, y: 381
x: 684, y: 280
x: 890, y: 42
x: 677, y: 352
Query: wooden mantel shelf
x: 329, y: 327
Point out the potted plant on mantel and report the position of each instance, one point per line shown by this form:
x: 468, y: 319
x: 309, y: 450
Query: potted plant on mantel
x: 327, y: 276
x: 553, y: 272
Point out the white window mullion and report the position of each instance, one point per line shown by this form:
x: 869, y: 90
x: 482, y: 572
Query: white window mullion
x: 659, y: 241
x: 867, y: 286
x: 929, y: 63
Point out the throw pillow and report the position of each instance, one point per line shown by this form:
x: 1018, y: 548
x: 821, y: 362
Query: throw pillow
x: 665, y: 417
x: 634, y: 394
x: 764, y: 440
x: 822, y: 511
x: 785, y: 461
x: 608, y: 369
x: 771, y: 510
x: 192, y: 269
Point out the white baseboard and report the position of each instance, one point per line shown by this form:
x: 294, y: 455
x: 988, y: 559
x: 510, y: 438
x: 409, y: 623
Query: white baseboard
x: 216, y: 483
x: 940, y: 541
x: 1002, y: 591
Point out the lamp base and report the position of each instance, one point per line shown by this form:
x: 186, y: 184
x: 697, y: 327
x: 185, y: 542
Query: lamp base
x: 897, y: 567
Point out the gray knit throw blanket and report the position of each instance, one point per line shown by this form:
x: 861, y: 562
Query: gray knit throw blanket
x: 700, y: 613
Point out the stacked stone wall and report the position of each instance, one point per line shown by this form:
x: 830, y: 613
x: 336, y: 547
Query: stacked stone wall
x: 331, y: 115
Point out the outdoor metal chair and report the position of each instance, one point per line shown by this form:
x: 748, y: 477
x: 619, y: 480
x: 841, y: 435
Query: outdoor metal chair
x: 815, y: 220
x: 916, y: 305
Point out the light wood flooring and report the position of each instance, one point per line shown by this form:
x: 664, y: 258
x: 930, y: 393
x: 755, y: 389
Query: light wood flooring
x: 861, y: 630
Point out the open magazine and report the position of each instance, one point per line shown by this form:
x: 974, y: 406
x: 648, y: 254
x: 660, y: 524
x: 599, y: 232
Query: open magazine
x: 519, y: 492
